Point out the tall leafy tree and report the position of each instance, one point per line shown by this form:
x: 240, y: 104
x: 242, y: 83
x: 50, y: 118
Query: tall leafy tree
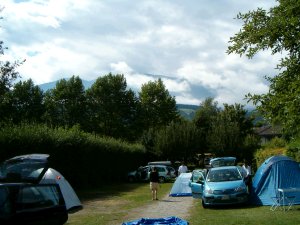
x: 203, y: 120
x: 27, y: 102
x: 158, y: 107
x: 277, y: 30
x: 229, y: 130
x: 112, y: 107
x: 177, y: 141
x: 66, y: 103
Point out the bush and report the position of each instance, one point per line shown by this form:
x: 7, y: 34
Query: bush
x: 277, y: 146
x: 293, y: 150
x: 84, y: 159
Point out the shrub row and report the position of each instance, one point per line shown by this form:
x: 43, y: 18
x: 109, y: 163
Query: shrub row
x: 85, y: 160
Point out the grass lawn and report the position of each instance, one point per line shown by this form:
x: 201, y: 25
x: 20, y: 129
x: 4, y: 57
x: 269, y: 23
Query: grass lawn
x: 110, y: 204
x: 243, y: 215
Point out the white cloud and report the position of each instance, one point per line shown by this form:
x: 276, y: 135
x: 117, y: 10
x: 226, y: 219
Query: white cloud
x: 185, y: 41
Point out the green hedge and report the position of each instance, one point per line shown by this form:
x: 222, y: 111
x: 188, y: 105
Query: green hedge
x: 85, y: 160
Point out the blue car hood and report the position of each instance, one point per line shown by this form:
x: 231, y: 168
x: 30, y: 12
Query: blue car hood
x: 224, y: 185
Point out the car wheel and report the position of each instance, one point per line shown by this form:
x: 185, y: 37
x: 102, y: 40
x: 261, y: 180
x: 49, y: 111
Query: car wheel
x: 161, y: 179
x: 205, y: 206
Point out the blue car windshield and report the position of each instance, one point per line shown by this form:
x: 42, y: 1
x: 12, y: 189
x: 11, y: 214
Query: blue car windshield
x: 223, y: 175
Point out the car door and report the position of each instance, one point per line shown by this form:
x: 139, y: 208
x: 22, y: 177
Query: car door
x: 197, y: 183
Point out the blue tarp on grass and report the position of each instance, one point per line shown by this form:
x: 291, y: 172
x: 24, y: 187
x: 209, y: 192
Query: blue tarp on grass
x: 167, y: 220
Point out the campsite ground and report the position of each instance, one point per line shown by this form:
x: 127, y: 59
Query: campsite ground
x: 114, y: 204
x: 165, y: 207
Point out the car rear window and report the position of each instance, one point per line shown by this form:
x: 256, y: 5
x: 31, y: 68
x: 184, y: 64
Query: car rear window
x: 39, y: 196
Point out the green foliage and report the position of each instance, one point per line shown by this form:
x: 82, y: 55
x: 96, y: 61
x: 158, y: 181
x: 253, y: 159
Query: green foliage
x: 112, y: 108
x: 277, y: 30
x: 84, y: 159
x: 8, y: 74
x: 277, y: 146
x: 158, y: 108
x: 205, y: 115
x: 26, y: 102
x: 293, y: 150
x: 66, y: 103
x: 225, y: 131
x: 177, y: 141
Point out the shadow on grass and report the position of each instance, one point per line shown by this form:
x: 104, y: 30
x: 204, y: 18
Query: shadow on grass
x: 235, y: 206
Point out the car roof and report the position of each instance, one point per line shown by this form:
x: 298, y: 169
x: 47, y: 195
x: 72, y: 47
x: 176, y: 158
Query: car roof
x: 39, y: 157
x: 223, y: 168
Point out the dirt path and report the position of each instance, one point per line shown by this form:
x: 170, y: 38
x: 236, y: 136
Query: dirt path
x: 168, y: 206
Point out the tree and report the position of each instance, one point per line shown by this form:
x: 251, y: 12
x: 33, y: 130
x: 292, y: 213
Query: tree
x: 203, y: 120
x: 8, y: 74
x: 177, y: 141
x: 112, y: 108
x: 158, y: 108
x: 66, y: 103
x: 26, y: 102
x: 278, y: 30
x: 229, y: 131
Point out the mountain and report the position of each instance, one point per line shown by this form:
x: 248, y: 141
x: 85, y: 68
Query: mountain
x: 47, y: 86
x: 187, y: 111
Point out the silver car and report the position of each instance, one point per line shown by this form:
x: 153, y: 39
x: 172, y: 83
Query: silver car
x: 143, y: 173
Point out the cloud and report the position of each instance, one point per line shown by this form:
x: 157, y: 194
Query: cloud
x: 185, y: 42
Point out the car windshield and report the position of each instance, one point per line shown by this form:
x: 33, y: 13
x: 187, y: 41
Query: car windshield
x: 223, y: 175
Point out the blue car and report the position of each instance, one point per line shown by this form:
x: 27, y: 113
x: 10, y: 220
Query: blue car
x: 219, y: 186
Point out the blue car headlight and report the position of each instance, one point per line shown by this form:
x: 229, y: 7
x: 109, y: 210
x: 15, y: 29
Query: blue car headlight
x: 240, y: 189
x: 209, y: 191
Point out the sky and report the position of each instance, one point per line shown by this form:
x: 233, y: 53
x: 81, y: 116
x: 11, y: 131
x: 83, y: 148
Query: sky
x: 182, y: 42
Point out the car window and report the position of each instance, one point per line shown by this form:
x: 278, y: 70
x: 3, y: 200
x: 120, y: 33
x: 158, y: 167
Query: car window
x: 39, y: 196
x: 21, y: 170
x: 160, y: 169
x: 197, y: 176
x: 223, y: 175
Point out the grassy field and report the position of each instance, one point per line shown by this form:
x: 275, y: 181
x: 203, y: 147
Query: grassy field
x: 110, y: 204
x: 244, y: 215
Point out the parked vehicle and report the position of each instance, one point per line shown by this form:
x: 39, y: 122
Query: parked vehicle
x: 143, y: 173
x: 33, y: 193
x: 221, y: 186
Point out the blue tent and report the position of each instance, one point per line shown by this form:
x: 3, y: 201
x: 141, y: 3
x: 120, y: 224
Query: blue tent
x: 276, y: 172
x: 181, y: 186
x: 159, y: 221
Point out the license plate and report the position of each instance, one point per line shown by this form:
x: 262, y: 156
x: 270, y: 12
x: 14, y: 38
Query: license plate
x: 225, y: 197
